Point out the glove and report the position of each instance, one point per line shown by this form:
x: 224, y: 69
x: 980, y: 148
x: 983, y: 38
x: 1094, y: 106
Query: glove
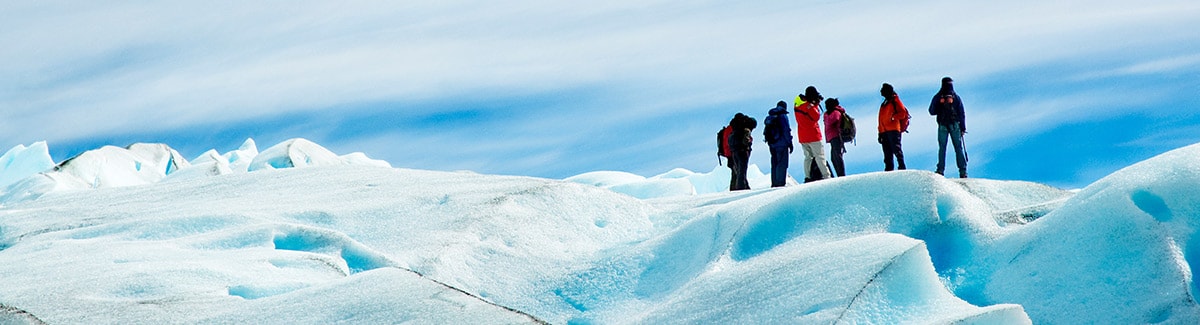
x: 881, y: 138
x: 790, y: 147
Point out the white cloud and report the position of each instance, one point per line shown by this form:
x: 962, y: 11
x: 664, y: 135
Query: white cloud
x: 162, y: 66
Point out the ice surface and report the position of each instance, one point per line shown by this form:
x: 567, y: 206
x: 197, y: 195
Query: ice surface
x: 244, y: 237
x: 142, y: 164
x: 294, y: 153
x: 109, y: 166
x: 21, y: 162
x: 1125, y: 243
x: 304, y: 153
x: 677, y: 182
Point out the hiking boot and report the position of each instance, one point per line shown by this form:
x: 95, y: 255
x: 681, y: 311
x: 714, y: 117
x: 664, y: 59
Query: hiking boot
x: 940, y: 172
x: 962, y: 174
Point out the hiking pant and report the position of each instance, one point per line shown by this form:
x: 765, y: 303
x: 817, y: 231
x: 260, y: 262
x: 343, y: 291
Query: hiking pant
x: 955, y: 134
x: 836, y: 149
x: 738, y: 165
x: 814, y: 153
x: 891, y: 148
x: 779, y: 166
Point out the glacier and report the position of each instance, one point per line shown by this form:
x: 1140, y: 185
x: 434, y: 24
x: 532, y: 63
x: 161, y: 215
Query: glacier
x: 298, y: 234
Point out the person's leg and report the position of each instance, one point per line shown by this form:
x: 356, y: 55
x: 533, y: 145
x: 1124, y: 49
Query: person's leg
x: 818, y: 150
x: 809, y: 158
x: 886, y: 142
x: 743, y: 165
x: 898, y: 150
x: 943, y: 132
x: 779, y: 165
x: 959, y: 152
x: 733, y: 176
x: 836, y: 149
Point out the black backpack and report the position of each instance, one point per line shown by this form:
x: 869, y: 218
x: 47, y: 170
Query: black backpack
x: 946, y: 114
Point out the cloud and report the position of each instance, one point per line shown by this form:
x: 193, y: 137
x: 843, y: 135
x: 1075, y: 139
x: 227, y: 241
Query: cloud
x: 566, y: 75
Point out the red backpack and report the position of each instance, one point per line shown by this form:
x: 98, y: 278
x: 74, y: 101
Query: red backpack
x: 723, y: 142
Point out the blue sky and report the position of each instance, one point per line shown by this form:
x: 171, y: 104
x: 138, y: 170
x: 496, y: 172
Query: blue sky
x: 1061, y: 93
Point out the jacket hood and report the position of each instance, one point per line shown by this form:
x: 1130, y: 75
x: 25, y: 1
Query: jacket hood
x: 947, y: 86
x: 779, y: 109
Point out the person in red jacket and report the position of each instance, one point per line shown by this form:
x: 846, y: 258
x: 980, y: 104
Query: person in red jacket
x: 808, y: 133
x: 893, y: 120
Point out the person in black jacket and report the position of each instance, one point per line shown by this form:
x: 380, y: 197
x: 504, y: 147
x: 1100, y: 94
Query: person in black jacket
x: 778, y: 136
x: 952, y: 124
x: 740, y: 141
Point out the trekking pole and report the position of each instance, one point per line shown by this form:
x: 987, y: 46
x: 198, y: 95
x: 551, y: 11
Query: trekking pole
x: 963, y: 138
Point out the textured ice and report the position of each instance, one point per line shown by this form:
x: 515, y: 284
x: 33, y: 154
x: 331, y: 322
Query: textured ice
x: 676, y: 182
x: 21, y: 162
x: 143, y: 163
x: 216, y: 240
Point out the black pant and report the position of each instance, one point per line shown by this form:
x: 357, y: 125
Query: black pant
x: 892, y: 148
x: 836, y: 149
x: 738, y: 165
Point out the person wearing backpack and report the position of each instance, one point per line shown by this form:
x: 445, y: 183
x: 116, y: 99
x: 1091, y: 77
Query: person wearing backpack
x: 740, y: 141
x: 808, y: 132
x: 778, y: 135
x: 893, y: 120
x: 834, y: 115
x: 952, y: 124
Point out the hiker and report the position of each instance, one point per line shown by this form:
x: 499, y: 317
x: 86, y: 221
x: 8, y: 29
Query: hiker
x: 778, y: 135
x: 834, y: 113
x: 952, y: 123
x: 808, y: 132
x: 740, y: 141
x: 893, y: 120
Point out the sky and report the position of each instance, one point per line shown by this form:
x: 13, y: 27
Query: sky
x: 1061, y: 93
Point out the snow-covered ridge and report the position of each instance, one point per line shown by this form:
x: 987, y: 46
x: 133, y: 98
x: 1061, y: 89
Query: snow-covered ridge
x: 349, y: 243
x: 35, y: 174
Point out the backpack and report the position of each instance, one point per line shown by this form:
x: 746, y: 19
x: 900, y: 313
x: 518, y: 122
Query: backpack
x: 946, y: 114
x: 899, y: 107
x: 772, y: 132
x: 723, y: 142
x: 847, y: 130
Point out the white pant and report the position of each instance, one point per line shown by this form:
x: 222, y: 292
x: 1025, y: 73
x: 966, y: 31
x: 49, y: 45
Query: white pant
x: 814, y: 151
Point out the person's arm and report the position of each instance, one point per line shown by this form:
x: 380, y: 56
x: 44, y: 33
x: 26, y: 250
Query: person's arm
x: 962, y: 116
x: 804, y: 110
x: 933, y: 104
x: 898, y: 109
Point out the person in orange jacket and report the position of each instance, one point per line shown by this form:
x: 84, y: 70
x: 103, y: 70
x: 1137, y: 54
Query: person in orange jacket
x: 893, y: 120
x: 808, y: 133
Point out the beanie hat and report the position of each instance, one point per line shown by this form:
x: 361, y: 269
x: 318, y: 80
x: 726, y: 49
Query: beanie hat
x: 811, y: 94
x: 887, y: 90
x: 831, y: 103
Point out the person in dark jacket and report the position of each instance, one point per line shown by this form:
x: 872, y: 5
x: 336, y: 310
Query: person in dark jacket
x: 778, y: 135
x: 740, y: 141
x: 952, y: 124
